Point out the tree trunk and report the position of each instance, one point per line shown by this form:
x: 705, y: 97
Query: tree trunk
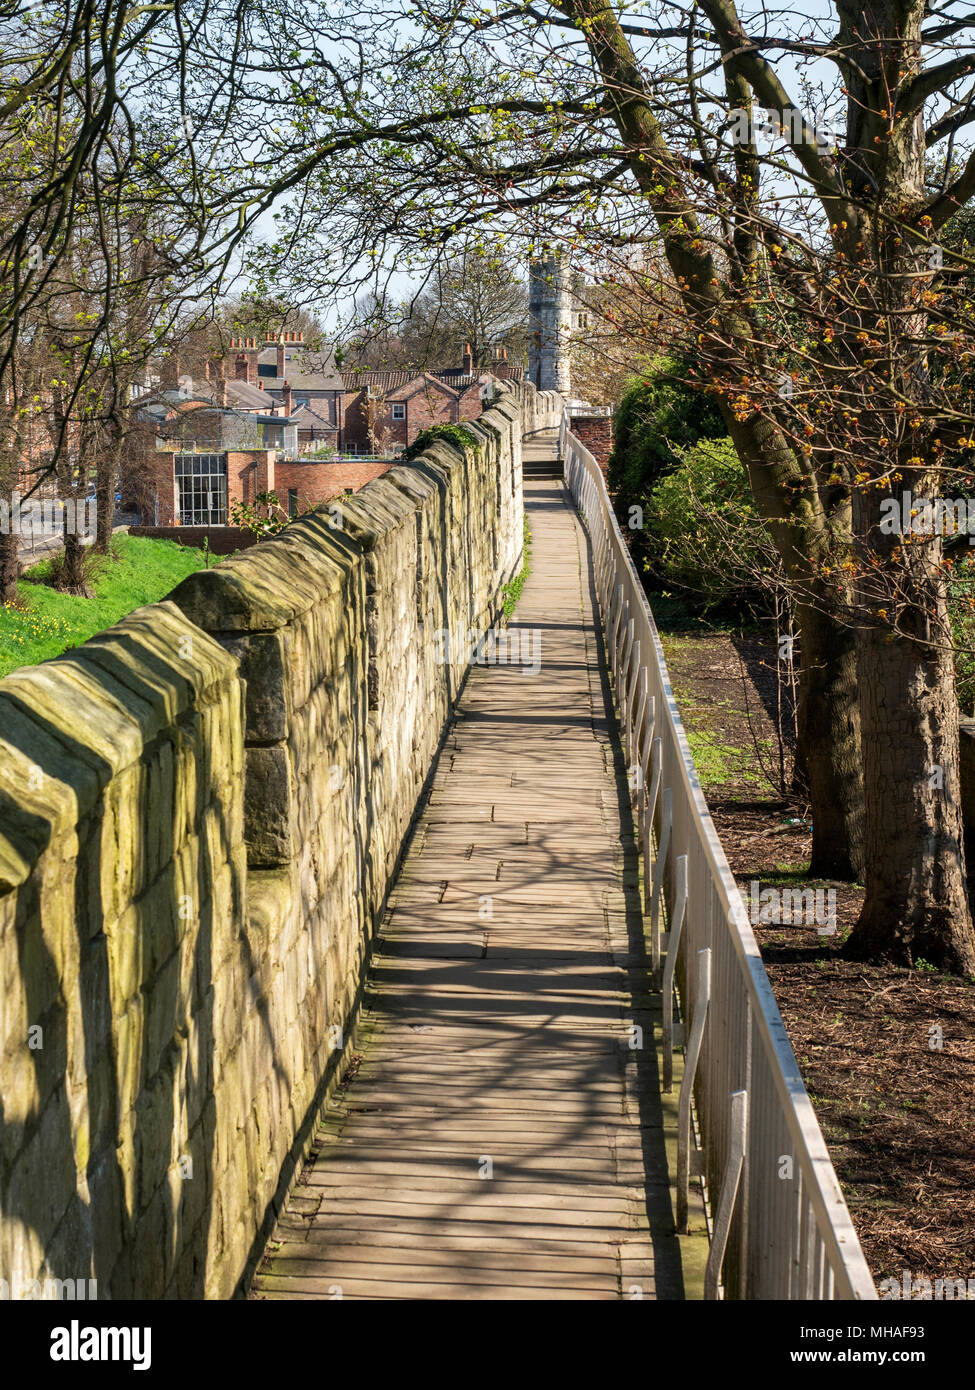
x: 9, y: 545
x: 828, y: 720
x: 104, y: 507
x: 107, y: 475
x: 829, y: 744
x: 71, y: 574
x: 916, y: 906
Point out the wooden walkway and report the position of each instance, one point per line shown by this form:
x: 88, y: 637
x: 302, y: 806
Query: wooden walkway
x: 501, y: 1139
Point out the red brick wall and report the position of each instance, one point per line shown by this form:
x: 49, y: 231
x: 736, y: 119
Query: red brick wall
x: 353, y: 418
x: 432, y: 407
x: 390, y: 431
x: 596, y: 433
x: 317, y: 482
x: 224, y: 540
x: 423, y: 410
x: 471, y: 404
x: 161, y: 489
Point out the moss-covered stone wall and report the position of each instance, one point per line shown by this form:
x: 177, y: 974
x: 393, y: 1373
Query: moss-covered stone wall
x: 201, y: 815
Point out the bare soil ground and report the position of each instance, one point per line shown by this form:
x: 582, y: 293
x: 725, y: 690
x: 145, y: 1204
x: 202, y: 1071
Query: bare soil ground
x: 887, y: 1054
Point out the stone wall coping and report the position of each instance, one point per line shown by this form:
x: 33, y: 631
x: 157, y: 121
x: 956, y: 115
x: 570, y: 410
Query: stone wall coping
x: 82, y: 718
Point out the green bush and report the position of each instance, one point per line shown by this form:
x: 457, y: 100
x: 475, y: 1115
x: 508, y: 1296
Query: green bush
x: 661, y: 415
x: 454, y: 434
x: 703, y: 534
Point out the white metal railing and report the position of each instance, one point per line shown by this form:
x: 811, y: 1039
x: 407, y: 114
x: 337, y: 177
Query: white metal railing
x: 780, y: 1226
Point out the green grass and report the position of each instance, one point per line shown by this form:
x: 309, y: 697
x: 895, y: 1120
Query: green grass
x: 512, y: 591
x: 791, y: 873
x: 716, y: 762
x: 48, y: 622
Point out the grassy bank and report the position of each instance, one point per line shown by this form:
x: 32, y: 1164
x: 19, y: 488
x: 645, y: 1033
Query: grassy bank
x: 45, y: 623
x: 511, y: 593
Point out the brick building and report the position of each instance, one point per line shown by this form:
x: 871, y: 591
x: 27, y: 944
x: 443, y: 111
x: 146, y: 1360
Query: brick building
x: 200, y: 446
x: 389, y: 408
x: 200, y: 488
x: 386, y: 410
x: 304, y: 381
x: 229, y: 438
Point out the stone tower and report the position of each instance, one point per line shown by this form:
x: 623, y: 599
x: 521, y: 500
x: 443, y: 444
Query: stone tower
x: 549, y: 322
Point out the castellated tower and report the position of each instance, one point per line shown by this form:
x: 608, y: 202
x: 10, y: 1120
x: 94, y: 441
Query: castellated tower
x: 549, y: 322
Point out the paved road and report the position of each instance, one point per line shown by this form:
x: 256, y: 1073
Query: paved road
x: 501, y: 1139
x: 34, y: 549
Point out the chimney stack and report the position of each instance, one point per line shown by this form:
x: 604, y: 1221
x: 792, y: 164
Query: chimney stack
x: 245, y: 363
x: 282, y: 362
x: 286, y: 397
x: 467, y: 362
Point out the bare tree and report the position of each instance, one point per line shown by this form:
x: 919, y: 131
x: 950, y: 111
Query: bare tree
x: 664, y: 146
x: 400, y: 130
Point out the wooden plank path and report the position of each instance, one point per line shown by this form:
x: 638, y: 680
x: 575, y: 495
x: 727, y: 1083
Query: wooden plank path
x: 501, y: 1139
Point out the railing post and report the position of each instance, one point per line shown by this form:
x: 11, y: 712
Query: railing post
x: 645, y: 763
x: 659, y: 869
x: 655, y: 777
x: 619, y: 647
x: 603, y: 581
x: 673, y: 944
x: 626, y: 662
x: 737, y: 1144
x: 617, y: 615
x: 639, y: 744
x: 691, y: 1059
x: 629, y: 728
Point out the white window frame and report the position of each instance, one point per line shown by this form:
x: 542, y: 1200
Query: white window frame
x: 401, y: 407
x: 201, y: 488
